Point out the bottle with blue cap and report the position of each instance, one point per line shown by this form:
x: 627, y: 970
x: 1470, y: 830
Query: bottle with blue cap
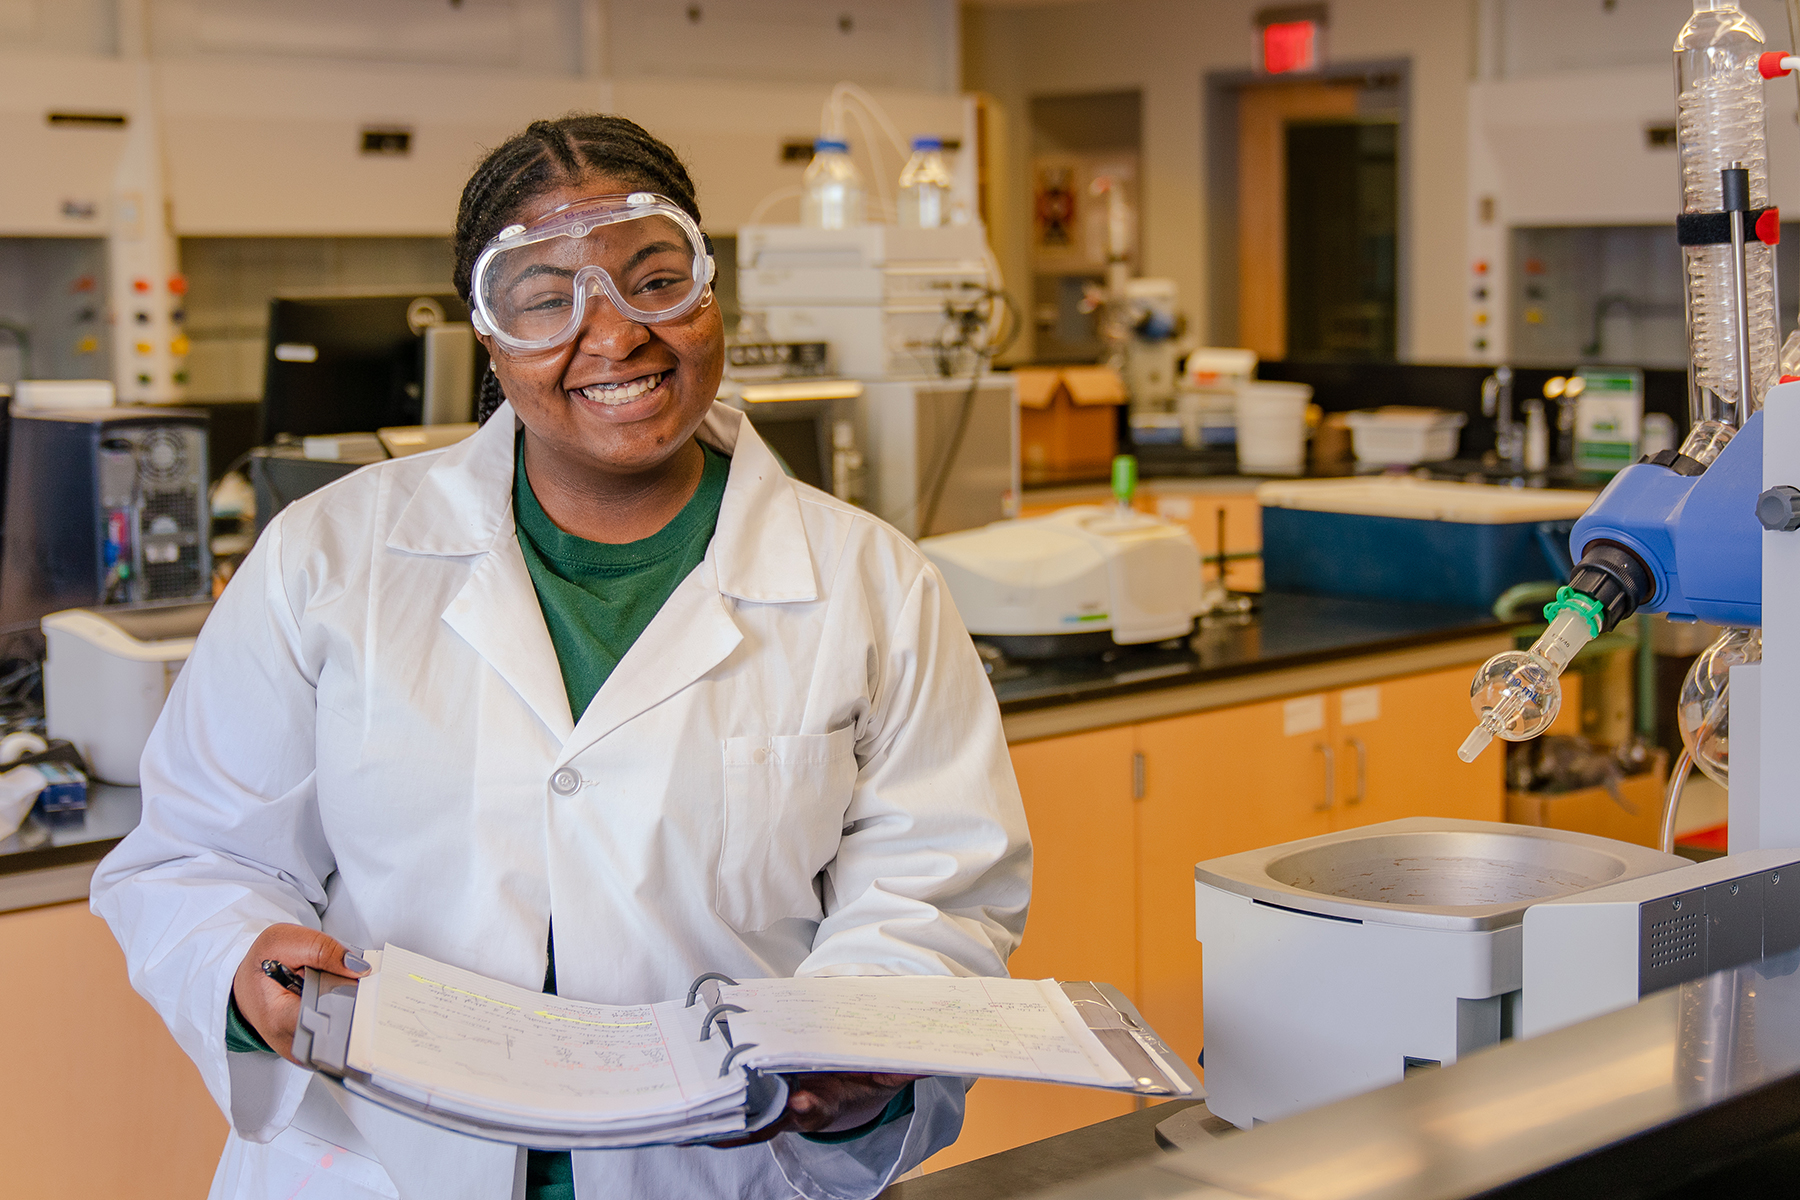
x: 832, y: 195
x: 925, y: 186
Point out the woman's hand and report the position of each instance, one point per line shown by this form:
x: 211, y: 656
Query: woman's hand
x: 271, y: 1009
x: 829, y: 1102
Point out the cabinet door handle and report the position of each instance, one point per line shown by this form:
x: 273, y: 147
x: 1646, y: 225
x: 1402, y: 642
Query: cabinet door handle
x: 1330, y: 776
x: 1137, y: 775
x: 1362, y: 772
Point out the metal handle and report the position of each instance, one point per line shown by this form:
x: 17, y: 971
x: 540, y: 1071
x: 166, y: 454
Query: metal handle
x: 1330, y: 776
x: 1362, y: 772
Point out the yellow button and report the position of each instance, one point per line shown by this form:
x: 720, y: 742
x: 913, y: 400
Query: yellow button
x: 144, y: 347
x: 87, y: 345
x: 1481, y: 318
x: 179, y: 345
x: 1534, y: 316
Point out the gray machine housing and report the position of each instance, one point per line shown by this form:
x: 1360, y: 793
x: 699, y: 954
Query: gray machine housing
x: 1604, y: 949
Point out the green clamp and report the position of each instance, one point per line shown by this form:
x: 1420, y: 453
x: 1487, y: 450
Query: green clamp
x: 1568, y: 599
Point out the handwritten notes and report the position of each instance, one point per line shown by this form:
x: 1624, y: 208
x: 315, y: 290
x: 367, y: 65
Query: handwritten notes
x: 921, y: 1025
x: 440, y: 1041
x: 428, y: 1027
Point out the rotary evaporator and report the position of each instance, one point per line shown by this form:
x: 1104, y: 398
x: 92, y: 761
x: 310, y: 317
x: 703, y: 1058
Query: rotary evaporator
x: 1342, y: 963
x: 1678, y: 532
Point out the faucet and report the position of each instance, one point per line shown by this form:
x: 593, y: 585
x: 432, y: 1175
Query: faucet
x: 1509, y: 434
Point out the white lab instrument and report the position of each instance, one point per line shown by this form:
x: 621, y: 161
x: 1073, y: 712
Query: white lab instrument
x: 1149, y: 310
x: 875, y: 293
x: 106, y: 675
x: 1335, y: 964
x: 1088, y: 570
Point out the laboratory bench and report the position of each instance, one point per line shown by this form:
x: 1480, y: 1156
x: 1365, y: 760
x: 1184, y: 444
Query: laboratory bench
x: 49, y: 862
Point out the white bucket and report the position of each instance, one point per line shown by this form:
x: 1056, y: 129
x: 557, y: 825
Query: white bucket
x: 1271, y: 427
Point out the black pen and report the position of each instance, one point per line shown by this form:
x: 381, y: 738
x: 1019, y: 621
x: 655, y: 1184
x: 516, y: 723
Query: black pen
x: 280, y: 974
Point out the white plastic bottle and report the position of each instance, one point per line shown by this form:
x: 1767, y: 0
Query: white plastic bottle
x: 925, y: 186
x: 832, y: 194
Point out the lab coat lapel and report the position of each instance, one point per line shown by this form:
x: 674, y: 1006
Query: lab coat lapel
x: 758, y: 553
x: 692, y: 634
x: 463, y: 507
x: 498, y: 615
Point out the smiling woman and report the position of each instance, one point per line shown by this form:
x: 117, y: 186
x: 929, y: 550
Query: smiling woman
x: 594, y: 700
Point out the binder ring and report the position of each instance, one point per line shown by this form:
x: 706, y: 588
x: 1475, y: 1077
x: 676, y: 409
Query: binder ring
x: 725, y: 1064
x: 713, y: 1014
x: 694, y: 989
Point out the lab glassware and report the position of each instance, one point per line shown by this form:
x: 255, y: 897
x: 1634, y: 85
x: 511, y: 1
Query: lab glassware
x: 832, y: 195
x: 1719, y: 124
x: 1517, y: 693
x: 1703, y: 711
x: 925, y: 186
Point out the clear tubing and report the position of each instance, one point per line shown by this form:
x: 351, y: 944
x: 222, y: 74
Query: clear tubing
x: 1517, y: 693
x: 1719, y: 123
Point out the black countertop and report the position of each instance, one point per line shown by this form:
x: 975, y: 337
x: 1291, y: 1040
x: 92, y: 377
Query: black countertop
x: 1287, y: 630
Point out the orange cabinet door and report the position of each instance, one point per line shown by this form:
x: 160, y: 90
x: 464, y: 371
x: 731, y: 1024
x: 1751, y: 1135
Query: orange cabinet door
x: 1215, y: 783
x: 99, y: 1099
x: 1078, y: 799
x: 1396, y: 755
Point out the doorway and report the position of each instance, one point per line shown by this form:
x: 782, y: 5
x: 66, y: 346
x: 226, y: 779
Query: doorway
x: 1306, y: 182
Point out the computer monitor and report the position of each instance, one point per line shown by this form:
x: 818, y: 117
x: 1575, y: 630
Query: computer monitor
x: 357, y: 363
x: 799, y: 431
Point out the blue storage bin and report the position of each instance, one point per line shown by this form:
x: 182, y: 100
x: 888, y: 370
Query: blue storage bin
x: 1406, y: 539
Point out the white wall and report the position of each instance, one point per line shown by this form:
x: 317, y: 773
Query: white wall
x: 1165, y: 48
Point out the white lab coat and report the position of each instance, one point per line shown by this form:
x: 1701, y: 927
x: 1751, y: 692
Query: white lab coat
x: 798, y: 769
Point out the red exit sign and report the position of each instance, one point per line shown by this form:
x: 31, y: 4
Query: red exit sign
x: 1289, y: 46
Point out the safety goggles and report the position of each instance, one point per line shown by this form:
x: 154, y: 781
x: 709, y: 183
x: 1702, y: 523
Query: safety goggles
x: 531, y: 284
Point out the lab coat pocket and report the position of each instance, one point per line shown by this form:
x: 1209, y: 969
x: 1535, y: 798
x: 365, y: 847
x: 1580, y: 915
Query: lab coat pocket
x: 785, y: 799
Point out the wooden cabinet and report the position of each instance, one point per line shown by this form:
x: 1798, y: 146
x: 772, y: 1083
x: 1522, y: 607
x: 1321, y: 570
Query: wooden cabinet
x: 99, y: 1100
x: 1396, y: 752
x: 1120, y: 816
x: 1079, y: 799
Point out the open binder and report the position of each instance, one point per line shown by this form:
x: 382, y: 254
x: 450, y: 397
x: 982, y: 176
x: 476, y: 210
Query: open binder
x: 485, y: 1058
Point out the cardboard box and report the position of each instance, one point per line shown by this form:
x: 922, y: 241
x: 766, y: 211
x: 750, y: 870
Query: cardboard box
x: 1593, y: 810
x: 1068, y: 422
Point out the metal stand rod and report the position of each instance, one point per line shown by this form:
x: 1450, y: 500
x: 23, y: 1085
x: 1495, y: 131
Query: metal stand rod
x: 1735, y: 187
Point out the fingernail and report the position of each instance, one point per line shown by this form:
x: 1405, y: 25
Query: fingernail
x: 355, y: 961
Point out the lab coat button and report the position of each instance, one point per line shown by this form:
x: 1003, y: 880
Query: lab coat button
x: 565, y: 781
x: 759, y: 757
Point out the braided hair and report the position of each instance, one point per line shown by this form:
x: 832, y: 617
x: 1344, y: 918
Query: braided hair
x: 549, y: 154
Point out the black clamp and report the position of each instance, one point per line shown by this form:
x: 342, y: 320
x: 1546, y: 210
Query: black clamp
x: 1778, y: 509
x: 1676, y: 461
x: 1714, y: 228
